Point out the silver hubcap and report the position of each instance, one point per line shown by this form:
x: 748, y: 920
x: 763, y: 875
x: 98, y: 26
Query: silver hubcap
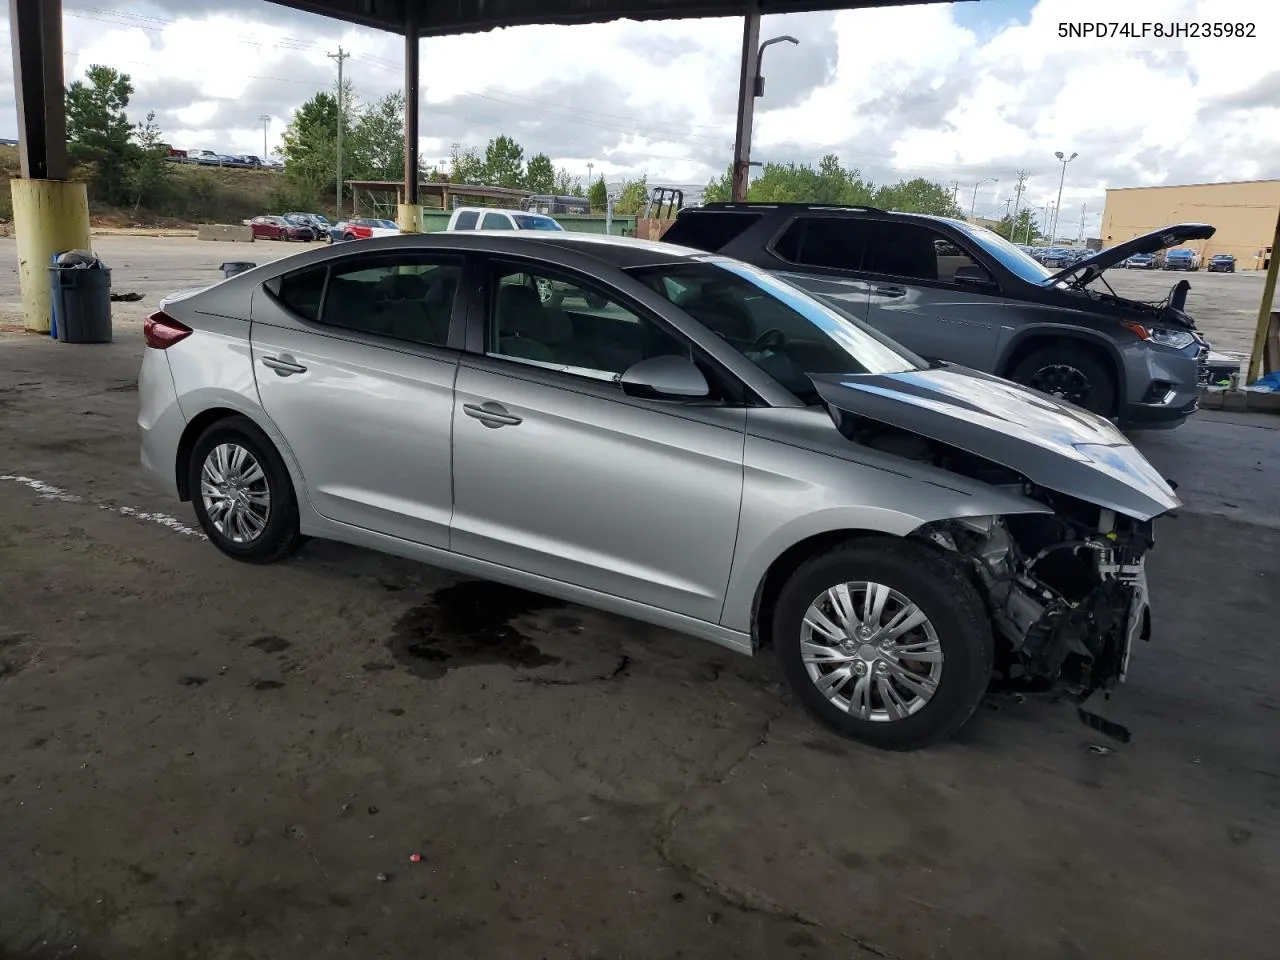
x: 871, y: 651
x: 234, y: 491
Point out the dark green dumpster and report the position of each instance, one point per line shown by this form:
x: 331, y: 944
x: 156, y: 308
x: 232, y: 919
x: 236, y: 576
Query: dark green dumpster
x: 81, y: 303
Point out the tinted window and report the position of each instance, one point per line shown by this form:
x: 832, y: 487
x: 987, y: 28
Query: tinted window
x: 466, y: 220
x: 778, y: 327
x: 838, y: 243
x: 565, y: 324
x: 495, y: 221
x: 709, y: 230
x: 914, y: 252
x: 409, y: 298
x: 301, y: 292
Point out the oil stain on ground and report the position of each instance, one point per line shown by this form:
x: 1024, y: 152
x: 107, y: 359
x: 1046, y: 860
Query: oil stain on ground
x: 467, y: 624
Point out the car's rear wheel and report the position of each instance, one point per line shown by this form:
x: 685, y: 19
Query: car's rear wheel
x: 1070, y: 373
x: 242, y: 493
x: 884, y: 641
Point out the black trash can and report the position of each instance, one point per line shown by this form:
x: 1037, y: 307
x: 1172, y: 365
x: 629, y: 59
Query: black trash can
x: 232, y: 267
x: 81, y: 303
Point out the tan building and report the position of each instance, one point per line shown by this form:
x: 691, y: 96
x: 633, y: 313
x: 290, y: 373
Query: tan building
x: 1244, y: 213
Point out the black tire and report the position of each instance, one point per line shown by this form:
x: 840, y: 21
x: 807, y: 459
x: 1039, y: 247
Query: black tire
x: 941, y: 591
x: 1037, y: 370
x: 281, y: 536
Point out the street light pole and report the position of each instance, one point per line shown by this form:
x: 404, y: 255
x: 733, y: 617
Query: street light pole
x: 1058, y: 206
x: 266, y: 119
x: 752, y: 86
x: 973, y: 206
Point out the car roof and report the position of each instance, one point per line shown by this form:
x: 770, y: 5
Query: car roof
x: 619, y: 252
x: 825, y: 209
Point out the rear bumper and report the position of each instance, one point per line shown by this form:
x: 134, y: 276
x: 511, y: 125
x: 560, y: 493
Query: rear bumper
x: 160, y: 421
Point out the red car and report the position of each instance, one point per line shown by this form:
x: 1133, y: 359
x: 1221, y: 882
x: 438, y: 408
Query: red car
x: 278, y: 228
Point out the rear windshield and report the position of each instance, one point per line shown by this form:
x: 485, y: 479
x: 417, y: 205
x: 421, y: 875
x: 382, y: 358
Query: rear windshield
x: 709, y: 230
x: 531, y: 221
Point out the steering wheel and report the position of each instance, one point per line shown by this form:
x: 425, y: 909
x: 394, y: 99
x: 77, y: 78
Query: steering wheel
x: 772, y: 337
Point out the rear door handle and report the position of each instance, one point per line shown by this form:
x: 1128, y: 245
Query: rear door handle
x: 889, y: 291
x: 283, y: 365
x: 491, y: 414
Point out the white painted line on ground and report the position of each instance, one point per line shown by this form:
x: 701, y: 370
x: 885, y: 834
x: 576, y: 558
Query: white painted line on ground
x: 47, y: 491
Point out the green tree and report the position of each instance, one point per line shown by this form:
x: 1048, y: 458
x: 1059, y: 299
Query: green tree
x: 540, y: 175
x: 632, y: 197
x: 150, y: 169
x: 917, y: 196
x: 504, y: 163
x: 798, y: 183
x: 466, y: 167
x: 377, y: 141
x: 99, y: 129
x: 567, y: 185
x: 1020, y: 229
x: 309, y: 145
x: 598, y: 195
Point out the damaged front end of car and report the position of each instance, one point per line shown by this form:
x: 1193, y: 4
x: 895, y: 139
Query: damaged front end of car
x: 1066, y: 592
x: 1064, y: 581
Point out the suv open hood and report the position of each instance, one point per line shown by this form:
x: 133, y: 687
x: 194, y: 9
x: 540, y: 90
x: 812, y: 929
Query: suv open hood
x: 1054, y: 445
x: 1085, y: 271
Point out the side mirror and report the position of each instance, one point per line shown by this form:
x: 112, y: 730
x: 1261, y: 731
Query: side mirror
x: 665, y: 378
x: 972, y: 275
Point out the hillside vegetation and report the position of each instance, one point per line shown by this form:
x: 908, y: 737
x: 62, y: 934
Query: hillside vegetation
x: 188, y: 194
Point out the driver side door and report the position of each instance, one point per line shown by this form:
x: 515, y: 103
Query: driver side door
x: 559, y: 473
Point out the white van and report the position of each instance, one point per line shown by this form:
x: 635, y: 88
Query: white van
x: 492, y: 218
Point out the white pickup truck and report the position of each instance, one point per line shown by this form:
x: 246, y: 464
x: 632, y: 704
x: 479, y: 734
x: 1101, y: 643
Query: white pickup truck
x: 492, y: 218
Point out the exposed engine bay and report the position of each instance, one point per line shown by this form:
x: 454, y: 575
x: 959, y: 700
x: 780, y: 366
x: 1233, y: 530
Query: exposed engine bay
x: 1066, y: 591
x: 1168, y: 312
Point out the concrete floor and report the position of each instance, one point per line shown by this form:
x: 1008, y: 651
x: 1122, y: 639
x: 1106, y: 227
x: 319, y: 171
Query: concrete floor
x: 202, y: 759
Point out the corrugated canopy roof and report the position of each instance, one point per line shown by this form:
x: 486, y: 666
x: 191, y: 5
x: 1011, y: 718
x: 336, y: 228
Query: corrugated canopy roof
x: 439, y: 17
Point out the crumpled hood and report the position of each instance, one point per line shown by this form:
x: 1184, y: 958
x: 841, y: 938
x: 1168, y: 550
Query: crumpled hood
x: 1087, y: 270
x: 1053, y: 444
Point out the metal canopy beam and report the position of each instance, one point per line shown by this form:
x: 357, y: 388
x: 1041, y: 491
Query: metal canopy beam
x: 36, y: 28
x: 436, y: 18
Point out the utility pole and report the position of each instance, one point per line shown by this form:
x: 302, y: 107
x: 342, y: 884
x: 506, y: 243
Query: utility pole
x: 266, y: 119
x: 1017, y: 192
x: 590, y: 167
x: 1082, y: 210
x: 955, y: 191
x: 340, y: 56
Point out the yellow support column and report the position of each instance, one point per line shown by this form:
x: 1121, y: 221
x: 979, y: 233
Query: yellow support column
x: 49, y: 217
x: 409, y: 217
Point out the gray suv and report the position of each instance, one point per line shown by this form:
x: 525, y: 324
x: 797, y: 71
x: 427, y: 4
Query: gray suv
x: 956, y: 292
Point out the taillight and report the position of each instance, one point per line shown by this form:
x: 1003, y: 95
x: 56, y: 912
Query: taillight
x: 162, y: 331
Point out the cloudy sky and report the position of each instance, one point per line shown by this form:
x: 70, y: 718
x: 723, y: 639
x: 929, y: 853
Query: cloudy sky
x: 960, y: 92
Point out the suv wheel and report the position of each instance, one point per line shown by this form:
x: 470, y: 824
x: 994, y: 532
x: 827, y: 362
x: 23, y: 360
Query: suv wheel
x: 884, y: 641
x: 242, y: 493
x: 1069, y: 373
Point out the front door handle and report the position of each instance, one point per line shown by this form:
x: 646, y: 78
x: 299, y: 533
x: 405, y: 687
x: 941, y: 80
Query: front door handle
x: 283, y: 365
x: 889, y: 291
x: 492, y: 415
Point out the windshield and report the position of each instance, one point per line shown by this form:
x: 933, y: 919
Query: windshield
x: 384, y: 224
x: 1011, y: 257
x: 778, y: 327
x: 526, y: 221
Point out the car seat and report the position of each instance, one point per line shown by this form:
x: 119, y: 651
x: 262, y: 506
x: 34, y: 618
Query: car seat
x: 522, y: 325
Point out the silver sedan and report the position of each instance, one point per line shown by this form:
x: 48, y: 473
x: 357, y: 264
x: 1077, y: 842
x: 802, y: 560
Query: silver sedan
x: 671, y: 436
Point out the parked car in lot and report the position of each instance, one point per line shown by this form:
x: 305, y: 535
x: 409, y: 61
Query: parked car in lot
x: 1221, y: 263
x: 714, y: 451
x: 949, y: 290
x: 1183, y: 258
x: 491, y: 218
x: 364, y: 228
x: 1057, y: 257
x: 317, y: 222
x: 248, y: 160
x: 279, y: 228
x: 1141, y: 261
x: 206, y: 157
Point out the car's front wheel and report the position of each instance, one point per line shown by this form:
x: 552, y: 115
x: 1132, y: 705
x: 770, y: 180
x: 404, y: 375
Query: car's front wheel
x: 884, y: 641
x: 1069, y: 373
x: 242, y: 493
